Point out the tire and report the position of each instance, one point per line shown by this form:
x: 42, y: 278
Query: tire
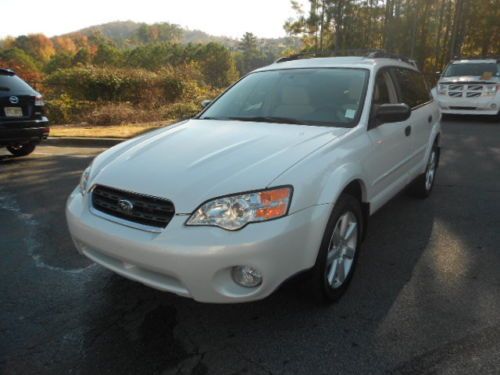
x: 423, y: 184
x: 334, y: 257
x: 21, y: 150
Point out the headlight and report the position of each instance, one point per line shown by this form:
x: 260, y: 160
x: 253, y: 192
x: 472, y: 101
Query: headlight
x: 233, y: 212
x: 442, y: 89
x: 490, y: 90
x: 84, y: 180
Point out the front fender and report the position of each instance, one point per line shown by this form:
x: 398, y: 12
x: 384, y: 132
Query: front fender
x: 322, y: 176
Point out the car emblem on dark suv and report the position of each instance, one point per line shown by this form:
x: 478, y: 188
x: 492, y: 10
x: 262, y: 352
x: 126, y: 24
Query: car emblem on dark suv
x: 14, y: 100
x: 125, y: 205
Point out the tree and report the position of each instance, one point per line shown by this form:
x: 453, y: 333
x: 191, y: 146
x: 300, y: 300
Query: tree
x: 82, y: 57
x: 107, y: 54
x: 430, y: 31
x: 250, y: 57
x: 21, y: 62
x: 158, y: 32
x: 36, y: 45
x: 217, y: 65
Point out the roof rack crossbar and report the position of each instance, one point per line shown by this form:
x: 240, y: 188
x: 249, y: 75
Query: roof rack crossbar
x: 372, y: 53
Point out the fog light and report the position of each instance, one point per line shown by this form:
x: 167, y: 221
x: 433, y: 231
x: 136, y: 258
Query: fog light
x: 493, y: 106
x: 246, y: 276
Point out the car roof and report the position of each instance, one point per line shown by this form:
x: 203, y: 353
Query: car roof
x: 472, y: 61
x: 8, y: 72
x: 339, y: 62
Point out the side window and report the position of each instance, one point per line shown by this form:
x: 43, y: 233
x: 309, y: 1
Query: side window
x: 413, y: 88
x: 384, y: 91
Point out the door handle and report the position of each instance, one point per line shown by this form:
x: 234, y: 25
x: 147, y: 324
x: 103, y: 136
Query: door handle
x: 408, y: 130
x: 429, y: 119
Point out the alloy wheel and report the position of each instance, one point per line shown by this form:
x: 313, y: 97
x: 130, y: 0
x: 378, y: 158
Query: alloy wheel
x: 342, y: 249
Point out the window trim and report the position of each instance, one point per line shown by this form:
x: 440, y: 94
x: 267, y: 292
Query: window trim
x: 393, y: 83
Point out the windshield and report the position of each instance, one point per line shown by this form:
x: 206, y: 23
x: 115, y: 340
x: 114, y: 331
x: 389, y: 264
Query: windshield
x: 330, y: 96
x: 473, y: 69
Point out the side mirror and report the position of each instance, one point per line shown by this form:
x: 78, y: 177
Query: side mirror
x: 386, y: 113
x: 206, y: 103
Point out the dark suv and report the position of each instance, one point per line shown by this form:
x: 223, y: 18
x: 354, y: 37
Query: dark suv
x: 22, y: 123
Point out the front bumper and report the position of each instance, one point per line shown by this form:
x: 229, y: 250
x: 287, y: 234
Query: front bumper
x: 196, y: 262
x: 24, y: 131
x: 469, y: 106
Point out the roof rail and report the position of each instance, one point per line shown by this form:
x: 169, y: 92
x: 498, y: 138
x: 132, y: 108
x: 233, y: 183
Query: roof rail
x: 8, y: 72
x: 372, y: 53
x: 388, y: 55
x: 497, y: 58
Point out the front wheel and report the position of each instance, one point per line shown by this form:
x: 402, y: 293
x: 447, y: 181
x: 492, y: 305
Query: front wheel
x: 21, y: 150
x: 339, y: 250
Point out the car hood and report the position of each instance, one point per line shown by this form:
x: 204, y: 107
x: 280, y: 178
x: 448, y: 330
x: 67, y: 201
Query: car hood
x: 465, y: 79
x: 197, y: 160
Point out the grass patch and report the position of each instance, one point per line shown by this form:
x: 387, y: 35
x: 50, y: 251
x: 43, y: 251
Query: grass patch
x: 108, y: 131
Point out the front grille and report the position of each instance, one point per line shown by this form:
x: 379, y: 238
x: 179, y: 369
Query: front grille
x: 475, y: 87
x: 471, y: 90
x: 137, y: 208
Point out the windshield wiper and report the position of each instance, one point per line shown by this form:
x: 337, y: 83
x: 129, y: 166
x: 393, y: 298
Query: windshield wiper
x: 273, y: 119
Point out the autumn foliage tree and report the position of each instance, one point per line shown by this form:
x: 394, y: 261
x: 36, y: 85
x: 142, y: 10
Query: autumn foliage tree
x: 430, y: 31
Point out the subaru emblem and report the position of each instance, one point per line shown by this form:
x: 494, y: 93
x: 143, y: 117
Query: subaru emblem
x: 14, y: 100
x: 125, y: 205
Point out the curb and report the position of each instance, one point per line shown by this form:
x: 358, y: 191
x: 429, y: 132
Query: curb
x: 81, y: 142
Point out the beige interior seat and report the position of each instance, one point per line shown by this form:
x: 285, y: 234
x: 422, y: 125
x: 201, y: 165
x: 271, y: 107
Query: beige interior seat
x: 295, y: 103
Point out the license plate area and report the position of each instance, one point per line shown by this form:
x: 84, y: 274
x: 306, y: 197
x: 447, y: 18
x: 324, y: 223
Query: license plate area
x: 13, y: 112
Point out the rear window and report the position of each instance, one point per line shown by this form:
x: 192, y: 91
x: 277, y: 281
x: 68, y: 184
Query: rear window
x: 473, y: 69
x: 13, y: 84
x: 414, y: 90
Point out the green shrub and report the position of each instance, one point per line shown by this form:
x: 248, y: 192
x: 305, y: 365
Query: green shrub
x: 117, y: 85
x: 178, y: 111
x: 65, y: 110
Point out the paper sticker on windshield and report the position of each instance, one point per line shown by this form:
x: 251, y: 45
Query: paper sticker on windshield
x: 487, y: 76
x: 350, y: 113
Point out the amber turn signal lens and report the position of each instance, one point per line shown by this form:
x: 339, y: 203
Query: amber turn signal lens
x: 274, y: 202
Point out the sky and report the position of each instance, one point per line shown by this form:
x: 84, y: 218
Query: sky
x: 231, y: 18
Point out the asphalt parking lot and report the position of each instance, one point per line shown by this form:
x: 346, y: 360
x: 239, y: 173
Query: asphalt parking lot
x: 425, y: 298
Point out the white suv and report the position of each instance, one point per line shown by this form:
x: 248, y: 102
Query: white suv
x: 276, y: 176
x: 470, y: 87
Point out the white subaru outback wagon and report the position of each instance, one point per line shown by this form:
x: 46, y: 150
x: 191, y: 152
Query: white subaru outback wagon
x: 277, y: 176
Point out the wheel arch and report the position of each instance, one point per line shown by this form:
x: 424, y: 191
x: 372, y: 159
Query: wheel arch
x: 353, y: 185
x: 357, y: 189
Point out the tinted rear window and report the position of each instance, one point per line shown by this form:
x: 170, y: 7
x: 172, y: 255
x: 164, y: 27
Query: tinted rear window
x: 13, y: 84
x: 414, y: 90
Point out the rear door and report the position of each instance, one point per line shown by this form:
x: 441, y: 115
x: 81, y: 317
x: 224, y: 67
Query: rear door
x: 413, y: 90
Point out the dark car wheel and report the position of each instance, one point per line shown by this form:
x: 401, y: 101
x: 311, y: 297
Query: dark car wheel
x: 21, y: 150
x: 339, y: 250
x: 422, y: 186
